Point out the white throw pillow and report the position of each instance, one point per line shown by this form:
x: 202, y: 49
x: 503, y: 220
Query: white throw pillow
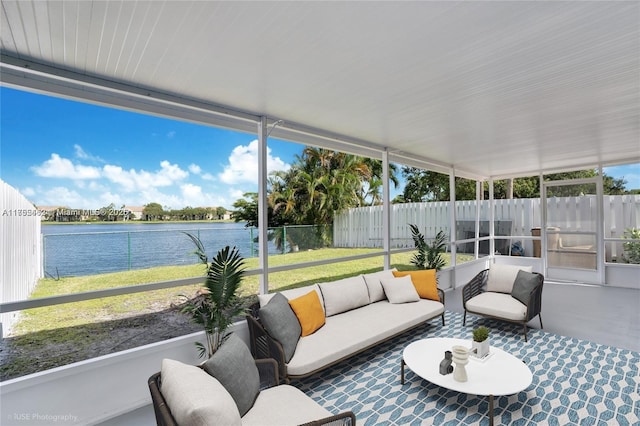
x: 196, y: 398
x: 400, y: 290
x: 376, y: 292
x: 502, y: 277
x: 344, y: 295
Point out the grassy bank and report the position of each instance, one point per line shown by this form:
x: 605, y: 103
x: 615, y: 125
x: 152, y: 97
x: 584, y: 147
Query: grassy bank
x: 61, y: 334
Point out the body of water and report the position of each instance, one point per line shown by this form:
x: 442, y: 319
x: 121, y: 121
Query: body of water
x: 87, y: 249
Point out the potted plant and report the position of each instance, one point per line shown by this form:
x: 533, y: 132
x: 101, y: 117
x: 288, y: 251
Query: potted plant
x: 429, y: 256
x: 216, y: 305
x: 480, y: 347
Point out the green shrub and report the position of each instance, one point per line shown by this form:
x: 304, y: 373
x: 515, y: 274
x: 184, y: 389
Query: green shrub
x: 631, y: 248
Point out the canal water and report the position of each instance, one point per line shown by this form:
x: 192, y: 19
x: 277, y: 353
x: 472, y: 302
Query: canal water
x: 87, y: 249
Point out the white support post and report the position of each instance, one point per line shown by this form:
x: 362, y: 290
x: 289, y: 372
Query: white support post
x: 263, y: 219
x: 492, y: 217
x: 543, y: 225
x: 601, y: 249
x: 476, y: 248
x: 452, y: 220
x: 386, y: 211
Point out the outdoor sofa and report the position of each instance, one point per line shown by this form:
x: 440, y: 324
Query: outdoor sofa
x: 505, y: 292
x: 351, y: 316
x: 236, y: 390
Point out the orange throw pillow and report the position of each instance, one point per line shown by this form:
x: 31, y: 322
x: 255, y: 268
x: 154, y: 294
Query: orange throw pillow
x: 309, y: 311
x: 424, y: 281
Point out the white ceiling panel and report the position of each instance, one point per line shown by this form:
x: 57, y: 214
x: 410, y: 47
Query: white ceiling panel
x: 489, y: 88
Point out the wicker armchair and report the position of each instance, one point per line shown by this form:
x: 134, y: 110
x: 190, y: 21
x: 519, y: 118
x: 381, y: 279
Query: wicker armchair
x: 478, y: 286
x: 269, y: 378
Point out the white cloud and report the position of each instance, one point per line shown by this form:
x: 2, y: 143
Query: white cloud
x: 236, y: 194
x: 243, y: 165
x: 28, y: 192
x: 195, y: 169
x: 132, y: 180
x: 171, y: 134
x: 208, y: 176
x: 84, y: 155
x: 61, y: 196
x: 58, y: 167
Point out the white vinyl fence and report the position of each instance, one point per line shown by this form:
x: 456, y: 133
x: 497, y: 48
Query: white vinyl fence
x: 20, y: 250
x: 362, y: 227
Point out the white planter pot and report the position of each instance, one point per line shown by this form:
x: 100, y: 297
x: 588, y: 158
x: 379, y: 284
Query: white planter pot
x: 480, y: 349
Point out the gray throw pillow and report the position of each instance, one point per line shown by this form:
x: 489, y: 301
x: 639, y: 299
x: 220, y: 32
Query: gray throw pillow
x: 233, y: 366
x: 281, y: 323
x: 523, y: 286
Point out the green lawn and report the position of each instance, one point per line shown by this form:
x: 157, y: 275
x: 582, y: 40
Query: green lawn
x: 57, y: 335
x: 73, y: 314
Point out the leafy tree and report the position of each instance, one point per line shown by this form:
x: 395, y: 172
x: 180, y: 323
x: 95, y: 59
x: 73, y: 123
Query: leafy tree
x: 424, y: 185
x: 220, y: 212
x: 319, y: 183
x: 153, y: 211
x: 105, y: 213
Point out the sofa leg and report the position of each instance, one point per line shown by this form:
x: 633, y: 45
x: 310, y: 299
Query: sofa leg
x: 443, y: 318
x: 540, y: 318
x: 525, y: 333
x: 464, y: 319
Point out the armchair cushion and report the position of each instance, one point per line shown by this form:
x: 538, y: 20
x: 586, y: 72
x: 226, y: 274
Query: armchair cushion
x: 284, y: 405
x: 400, y: 290
x: 502, y: 277
x: 498, y: 305
x: 281, y: 323
x: 525, y: 283
x: 189, y: 393
x: 233, y: 366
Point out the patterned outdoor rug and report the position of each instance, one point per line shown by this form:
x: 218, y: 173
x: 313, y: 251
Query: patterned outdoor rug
x: 575, y: 382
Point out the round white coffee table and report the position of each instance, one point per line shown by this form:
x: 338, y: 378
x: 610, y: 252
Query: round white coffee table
x: 499, y: 374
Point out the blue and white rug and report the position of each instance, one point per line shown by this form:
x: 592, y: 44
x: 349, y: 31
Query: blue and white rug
x: 575, y: 382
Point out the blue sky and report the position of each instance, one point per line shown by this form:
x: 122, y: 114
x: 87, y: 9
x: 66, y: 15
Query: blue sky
x: 64, y: 153
x: 61, y: 152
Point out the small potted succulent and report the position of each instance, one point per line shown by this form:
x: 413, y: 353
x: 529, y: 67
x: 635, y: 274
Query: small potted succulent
x: 480, y: 346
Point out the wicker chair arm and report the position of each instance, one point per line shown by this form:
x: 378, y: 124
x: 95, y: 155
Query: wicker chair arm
x: 441, y: 296
x: 160, y: 408
x: 262, y: 345
x: 268, y: 369
x: 535, y: 299
x: 474, y: 287
x: 346, y: 418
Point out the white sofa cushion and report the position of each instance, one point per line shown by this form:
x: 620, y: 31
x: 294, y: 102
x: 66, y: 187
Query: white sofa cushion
x: 344, y: 295
x: 352, y: 331
x: 400, y: 290
x: 374, y: 284
x: 292, y: 294
x: 498, y: 305
x: 196, y: 398
x: 502, y: 277
x: 283, y: 405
